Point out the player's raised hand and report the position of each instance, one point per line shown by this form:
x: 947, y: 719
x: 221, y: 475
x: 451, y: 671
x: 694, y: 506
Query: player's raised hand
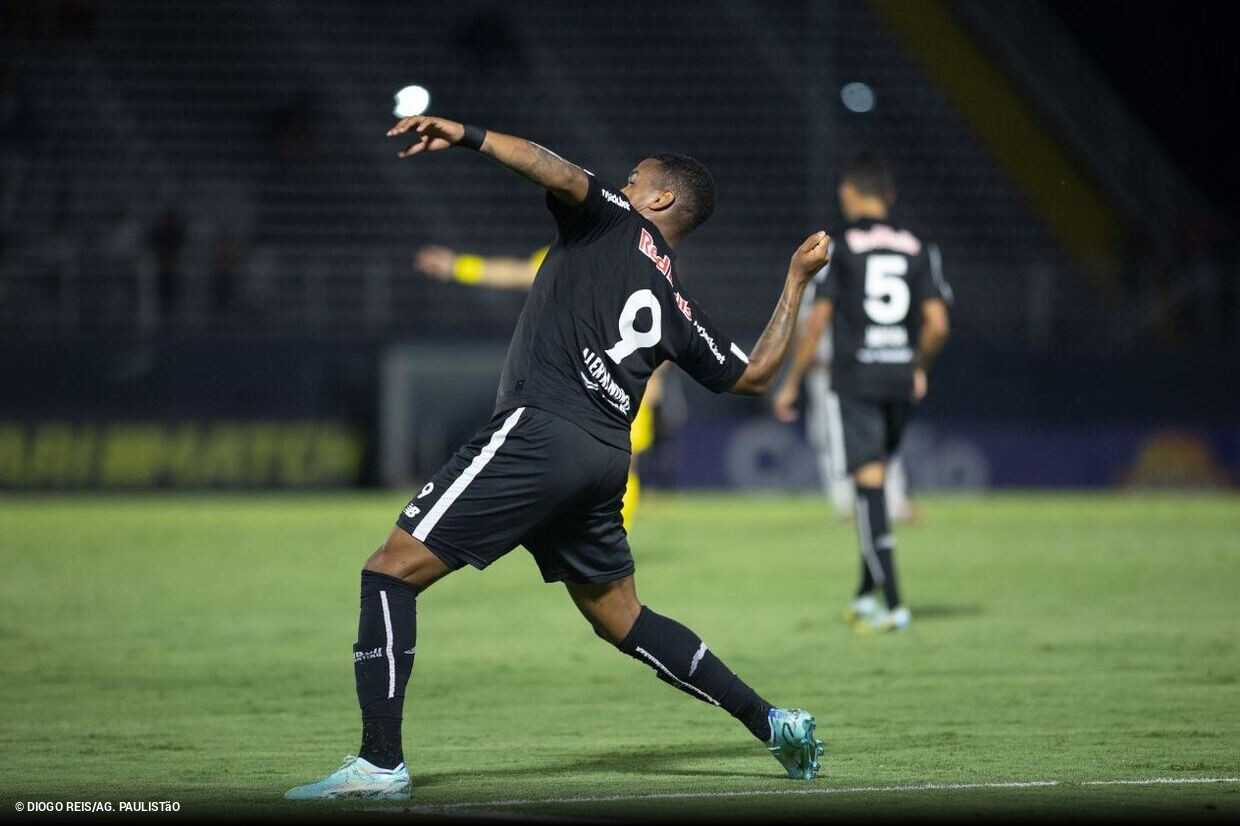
x: 437, y: 262
x: 431, y: 134
x: 811, y: 256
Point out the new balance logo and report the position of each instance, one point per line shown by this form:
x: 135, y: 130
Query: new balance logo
x: 412, y: 510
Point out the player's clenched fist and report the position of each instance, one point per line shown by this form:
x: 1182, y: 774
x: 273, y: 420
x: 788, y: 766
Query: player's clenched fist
x: 811, y: 256
x: 431, y: 134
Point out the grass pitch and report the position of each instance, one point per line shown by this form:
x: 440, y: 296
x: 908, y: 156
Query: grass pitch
x: 198, y: 649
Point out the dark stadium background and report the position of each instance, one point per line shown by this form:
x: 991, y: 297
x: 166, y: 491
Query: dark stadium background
x: 205, y: 240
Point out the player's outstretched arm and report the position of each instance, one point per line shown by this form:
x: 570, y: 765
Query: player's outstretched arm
x: 564, y: 180
x: 501, y: 272
x: 768, y: 354
x: 803, y: 355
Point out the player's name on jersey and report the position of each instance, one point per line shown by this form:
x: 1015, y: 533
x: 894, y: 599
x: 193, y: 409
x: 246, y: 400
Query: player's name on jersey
x: 880, y: 336
x: 902, y: 355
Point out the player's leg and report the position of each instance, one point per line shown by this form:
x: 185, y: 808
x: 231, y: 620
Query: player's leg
x: 392, y: 578
x: 680, y: 658
x: 585, y: 546
x: 632, y: 495
x: 873, y: 521
x: 899, y: 505
x: 383, y: 656
x: 641, y: 436
x: 863, y: 427
x: 874, y: 530
x: 825, y: 432
x: 472, y: 511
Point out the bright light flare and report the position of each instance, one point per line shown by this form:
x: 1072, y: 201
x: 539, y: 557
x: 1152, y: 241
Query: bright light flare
x: 410, y: 101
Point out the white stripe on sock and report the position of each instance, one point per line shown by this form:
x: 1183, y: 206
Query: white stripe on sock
x: 387, y: 626
x: 458, y: 487
x: 867, y: 548
x: 697, y: 659
x: 835, y: 435
x: 679, y: 681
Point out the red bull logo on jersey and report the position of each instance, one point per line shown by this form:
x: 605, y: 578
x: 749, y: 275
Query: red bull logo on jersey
x: 645, y: 245
x: 882, y: 237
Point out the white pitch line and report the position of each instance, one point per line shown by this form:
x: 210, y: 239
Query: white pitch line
x: 528, y: 801
x: 923, y: 787
x: 1158, y: 781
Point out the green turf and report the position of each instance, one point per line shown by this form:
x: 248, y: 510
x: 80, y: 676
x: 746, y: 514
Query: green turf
x: 198, y: 649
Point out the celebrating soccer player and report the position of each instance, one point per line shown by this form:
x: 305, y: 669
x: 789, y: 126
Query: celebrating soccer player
x: 506, y: 272
x: 548, y: 472
x: 884, y: 296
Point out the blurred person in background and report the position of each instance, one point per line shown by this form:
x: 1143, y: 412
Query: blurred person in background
x: 514, y: 273
x: 166, y: 243
x: 884, y: 298
x: 825, y: 433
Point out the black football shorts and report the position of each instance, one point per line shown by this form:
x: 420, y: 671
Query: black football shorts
x: 872, y: 429
x: 528, y: 478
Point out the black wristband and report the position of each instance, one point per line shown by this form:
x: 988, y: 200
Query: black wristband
x: 473, y: 137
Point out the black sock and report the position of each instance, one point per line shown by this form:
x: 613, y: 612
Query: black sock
x: 877, y: 543
x: 681, y: 659
x: 382, y: 660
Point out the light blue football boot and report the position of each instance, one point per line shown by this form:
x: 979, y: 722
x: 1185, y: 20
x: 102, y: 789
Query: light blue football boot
x: 793, y: 744
x: 897, y: 619
x: 356, y: 778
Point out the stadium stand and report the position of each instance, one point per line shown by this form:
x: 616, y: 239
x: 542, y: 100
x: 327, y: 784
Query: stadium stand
x: 221, y: 167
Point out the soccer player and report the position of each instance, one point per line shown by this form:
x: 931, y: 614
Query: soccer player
x: 548, y: 472
x: 885, y: 300
x: 825, y: 433
x: 512, y: 273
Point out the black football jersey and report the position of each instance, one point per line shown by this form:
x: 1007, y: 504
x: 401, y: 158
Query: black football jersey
x: 878, y: 276
x: 607, y: 308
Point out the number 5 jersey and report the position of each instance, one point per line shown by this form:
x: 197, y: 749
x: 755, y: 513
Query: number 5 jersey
x: 877, y: 279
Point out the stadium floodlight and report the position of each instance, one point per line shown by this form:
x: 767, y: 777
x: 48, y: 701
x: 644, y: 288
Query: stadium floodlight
x: 857, y: 97
x: 412, y: 100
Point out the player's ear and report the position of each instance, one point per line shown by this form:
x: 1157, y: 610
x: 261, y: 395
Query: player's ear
x: 665, y: 200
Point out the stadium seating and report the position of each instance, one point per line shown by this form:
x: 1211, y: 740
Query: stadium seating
x: 221, y: 166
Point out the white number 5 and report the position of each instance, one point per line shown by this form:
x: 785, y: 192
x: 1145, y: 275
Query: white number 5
x: 631, y: 339
x: 887, y: 295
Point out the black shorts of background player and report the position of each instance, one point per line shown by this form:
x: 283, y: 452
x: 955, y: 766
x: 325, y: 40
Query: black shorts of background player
x: 605, y: 310
x: 885, y: 299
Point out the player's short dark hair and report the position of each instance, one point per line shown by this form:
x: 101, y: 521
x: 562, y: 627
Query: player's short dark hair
x: 692, y: 183
x: 870, y: 175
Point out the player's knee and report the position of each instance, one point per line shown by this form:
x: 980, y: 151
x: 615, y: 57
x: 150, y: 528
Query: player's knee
x: 615, y: 623
x: 382, y: 562
x: 406, y: 558
x: 871, y: 475
x: 601, y: 632
x: 610, y: 609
